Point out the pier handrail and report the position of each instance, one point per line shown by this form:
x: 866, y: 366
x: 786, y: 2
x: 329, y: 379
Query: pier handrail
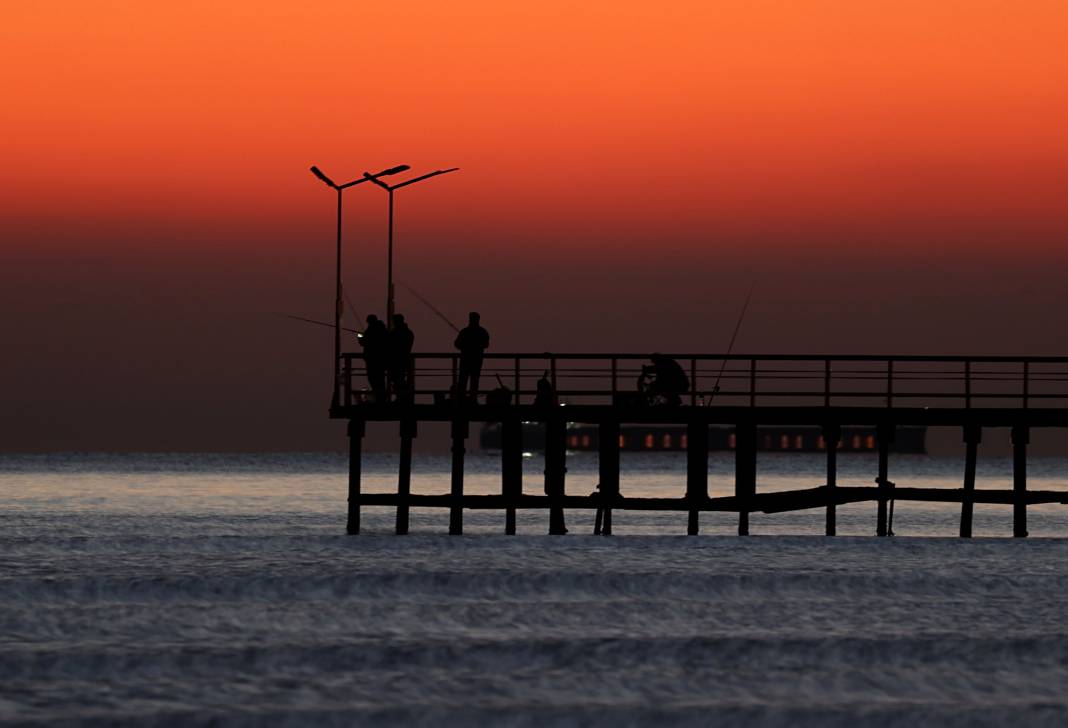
x: 894, y: 380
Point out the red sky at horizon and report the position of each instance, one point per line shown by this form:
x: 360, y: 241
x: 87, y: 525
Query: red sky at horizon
x: 892, y: 173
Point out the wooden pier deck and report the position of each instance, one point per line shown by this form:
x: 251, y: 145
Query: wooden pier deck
x: 740, y: 391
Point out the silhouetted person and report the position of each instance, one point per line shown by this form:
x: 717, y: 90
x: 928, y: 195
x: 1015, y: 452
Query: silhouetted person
x: 472, y: 342
x: 545, y: 396
x: 664, y: 378
x: 375, y: 356
x: 399, y: 344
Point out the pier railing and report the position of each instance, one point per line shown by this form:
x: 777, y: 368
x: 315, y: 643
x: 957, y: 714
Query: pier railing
x: 749, y: 380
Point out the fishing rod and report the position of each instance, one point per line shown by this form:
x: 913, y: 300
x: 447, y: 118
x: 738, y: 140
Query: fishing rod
x: 352, y: 308
x: 317, y: 323
x: 730, y: 346
x: 433, y: 308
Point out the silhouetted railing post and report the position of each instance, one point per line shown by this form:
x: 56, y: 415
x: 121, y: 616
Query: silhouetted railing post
x: 745, y: 462
x: 511, y: 468
x: 356, y: 432
x: 967, y: 384
x: 456, y: 510
x: 973, y: 434
x: 889, y: 382
x: 832, y: 435
x: 884, y: 435
x: 411, y: 380
x: 696, y: 472
x: 608, y: 469
x: 827, y: 383
x: 1020, y: 436
x: 1026, y: 382
x: 693, y: 382
x: 408, y: 429
x: 752, y: 382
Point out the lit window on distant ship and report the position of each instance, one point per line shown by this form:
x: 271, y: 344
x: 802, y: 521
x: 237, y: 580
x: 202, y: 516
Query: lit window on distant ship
x: 665, y: 442
x: 856, y: 442
x: 799, y: 443
x: 573, y: 440
x: 869, y: 442
x: 684, y: 441
x: 622, y: 442
x: 732, y: 441
x: 821, y: 443
x: 784, y: 442
x: 649, y: 441
x: 585, y: 440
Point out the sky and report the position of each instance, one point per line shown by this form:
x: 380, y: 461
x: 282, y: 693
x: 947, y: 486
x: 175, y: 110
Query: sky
x: 890, y: 175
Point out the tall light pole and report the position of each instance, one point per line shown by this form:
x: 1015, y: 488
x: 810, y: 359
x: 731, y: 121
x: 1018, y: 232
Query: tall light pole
x: 338, y: 294
x: 389, y: 267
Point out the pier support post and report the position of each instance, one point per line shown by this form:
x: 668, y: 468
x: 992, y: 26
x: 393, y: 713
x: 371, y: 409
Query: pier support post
x: 884, y: 433
x: 832, y: 435
x: 404, y: 476
x: 745, y: 461
x: 555, y: 470
x: 696, y: 473
x: 356, y: 432
x: 608, y: 469
x: 456, y: 510
x: 973, y: 435
x: 511, y: 469
x: 1020, y: 436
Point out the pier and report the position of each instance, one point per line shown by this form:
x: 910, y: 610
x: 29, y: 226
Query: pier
x: 972, y: 394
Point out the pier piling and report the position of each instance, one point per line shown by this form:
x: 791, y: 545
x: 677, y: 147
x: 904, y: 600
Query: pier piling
x: 456, y: 509
x: 1021, y: 434
x: 404, y: 476
x: 884, y: 434
x: 511, y: 469
x: 555, y: 471
x: 356, y: 432
x: 696, y: 473
x: 832, y: 435
x: 973, y: 435
x: 608, y: 469
x: 745, y: 462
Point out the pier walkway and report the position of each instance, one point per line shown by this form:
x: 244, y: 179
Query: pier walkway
x: 971, y: 393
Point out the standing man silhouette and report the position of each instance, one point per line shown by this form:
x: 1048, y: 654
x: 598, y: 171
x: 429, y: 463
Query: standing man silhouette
x: 399, y: 344
x: 472, y: 342
x: 375, y: 356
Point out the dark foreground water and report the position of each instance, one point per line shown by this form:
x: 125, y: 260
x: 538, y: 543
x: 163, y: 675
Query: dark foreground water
x: 221, y: 590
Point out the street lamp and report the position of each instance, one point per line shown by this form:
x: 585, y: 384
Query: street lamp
x: 388, y: 188
x: 337, y: 302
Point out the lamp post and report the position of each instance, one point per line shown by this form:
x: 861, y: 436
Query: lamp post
x: 337, y: 300
x: 389, y: 267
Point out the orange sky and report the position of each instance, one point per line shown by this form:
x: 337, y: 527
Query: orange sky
x: 892, y: 175
x: 696, y: 122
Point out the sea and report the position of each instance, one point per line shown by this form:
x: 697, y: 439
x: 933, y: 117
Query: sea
x: 217, y: 590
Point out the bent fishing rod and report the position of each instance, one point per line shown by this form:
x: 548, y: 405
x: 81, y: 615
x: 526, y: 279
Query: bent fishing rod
x: 730, y: 346
x: 432, y: 307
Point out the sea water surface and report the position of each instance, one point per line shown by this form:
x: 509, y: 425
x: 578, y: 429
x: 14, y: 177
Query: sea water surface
x: 221, y: 589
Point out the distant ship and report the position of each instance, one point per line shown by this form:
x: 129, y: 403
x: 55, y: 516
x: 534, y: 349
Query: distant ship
x: 776, y: 438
